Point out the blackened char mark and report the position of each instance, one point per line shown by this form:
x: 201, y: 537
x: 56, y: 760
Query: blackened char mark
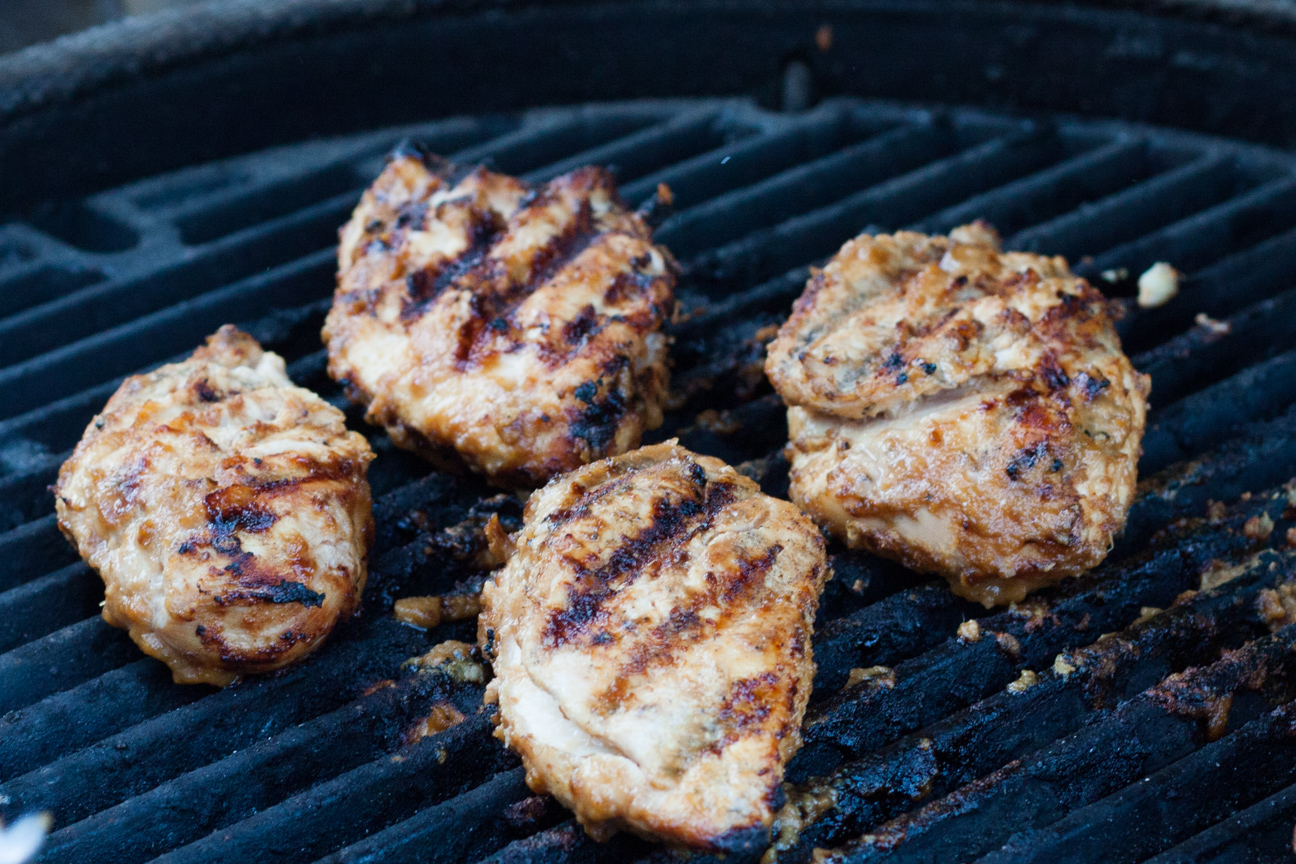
x: 589, y: 590
x: 207, y: 393
x: 586, y: 323
x: 1025, y: 459
x: 426, y: 285
x: 419, y: 151
x: 1090, y: 386
x: 747, y: 708
x: 596, y: 424
x: 673, y: 523
x: 256, y: 583
x: 412, y: 215
x: 685, y: 624
x: 575, y: 238
x: 236, y: 508
x: 284, y: 591
x: 450, y: 173
x: 1054, y: 377
x: 497, y: 303
x: 750, y: 572
x: 742, y: 842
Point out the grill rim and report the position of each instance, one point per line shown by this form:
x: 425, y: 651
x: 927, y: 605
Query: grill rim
x: 74, y: 80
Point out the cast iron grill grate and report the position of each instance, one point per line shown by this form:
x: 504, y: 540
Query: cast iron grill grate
x: 1143, y: 710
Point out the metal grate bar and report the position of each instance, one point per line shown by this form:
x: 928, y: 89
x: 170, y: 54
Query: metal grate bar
x: 40, y: 282
x: 1261, y: 457
x: 120, y: 350
x: 56, y: 427
x: 25, y: 496
x: 1145, y: 734
x: 1148, y: 816
x: 316, y: 750
x: 1203, y: 238
x: 317, y: 193
x: 1092, y: 228
x: 546, y: 137
x: 61, y: 660
x: 48, y: 603
x: 35, y: 547
x: 458, y: 830
x: 139, y: 759
x: 1007, y: 726
x: 1206, y: 354
x: 647, y: 150
x: 223, y: 187
x: 1040, y: 197
x: 569, y: 844
x: 893, y: 629
x: 362, y: 801
x: 74, y: 317
x: 821, y: 232
x: 1206, y: 419
x: 1260, y: 834
x: 958, y: 673
x: 754, y: 158
x: 67, y: 721
x: 1237, y: 281
x: 803, y: 188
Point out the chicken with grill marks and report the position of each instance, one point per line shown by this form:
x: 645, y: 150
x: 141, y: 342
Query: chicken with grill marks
x: 963, y: 410
x: 226, y: 509
x: 515, y: 328
x: 650, y: 636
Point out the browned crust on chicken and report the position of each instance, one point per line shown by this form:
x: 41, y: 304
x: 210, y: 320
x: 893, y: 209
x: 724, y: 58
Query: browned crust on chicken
x: 651, y: 643
x: 226, y: 510
x: 963, y: 410
x: 515, y: 328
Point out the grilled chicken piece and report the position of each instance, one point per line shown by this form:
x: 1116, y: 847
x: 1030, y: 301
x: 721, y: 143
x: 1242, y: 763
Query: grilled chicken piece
x: 226, y: 510
x: 651, y: 642
x: 963, y: 410
x: 515, y: 326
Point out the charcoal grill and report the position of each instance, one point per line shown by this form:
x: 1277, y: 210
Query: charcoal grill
x: 1146, y: 711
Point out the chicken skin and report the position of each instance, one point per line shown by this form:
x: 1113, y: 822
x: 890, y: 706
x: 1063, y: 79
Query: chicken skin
x: 650, y: 636
x: 226, y: 509
x: 960, y: 409
x: 511, y: 327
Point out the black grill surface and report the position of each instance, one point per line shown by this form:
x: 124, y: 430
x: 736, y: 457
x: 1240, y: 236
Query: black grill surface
x: 1143, y: 711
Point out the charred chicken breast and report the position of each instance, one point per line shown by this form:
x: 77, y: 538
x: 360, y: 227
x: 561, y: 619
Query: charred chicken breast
x: 510, y: 326
x: 226, y: 510
x: 650, y: 636
x: 964, y: 410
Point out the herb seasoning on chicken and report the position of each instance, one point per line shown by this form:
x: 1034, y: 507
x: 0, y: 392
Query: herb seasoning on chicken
x: 651, y: 643
x: 510, y: 326
x: 226, y: 510
x: 963, y: 410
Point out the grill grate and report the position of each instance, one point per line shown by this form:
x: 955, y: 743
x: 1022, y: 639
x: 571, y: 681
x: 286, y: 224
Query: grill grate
x: 1012, y: 745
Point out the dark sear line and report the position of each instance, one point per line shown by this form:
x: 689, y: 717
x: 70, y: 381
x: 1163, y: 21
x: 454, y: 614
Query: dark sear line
x: 426, y: 285
x: 673, y: 525
x: 684, y: 625
x: 496, y: 293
